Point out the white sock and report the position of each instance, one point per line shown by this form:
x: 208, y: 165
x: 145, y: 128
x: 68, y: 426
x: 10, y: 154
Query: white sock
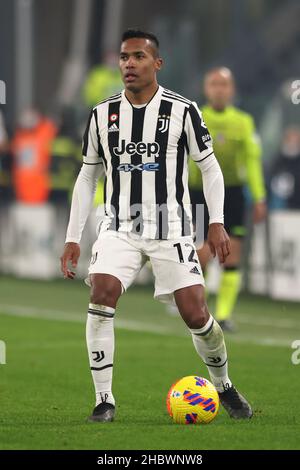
x: 100, y: 343
x: 210, y: 345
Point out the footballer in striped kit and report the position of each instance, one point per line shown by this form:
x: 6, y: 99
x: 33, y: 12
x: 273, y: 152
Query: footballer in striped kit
x: 140, y: 140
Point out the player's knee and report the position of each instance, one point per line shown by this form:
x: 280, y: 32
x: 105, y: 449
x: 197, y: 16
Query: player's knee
x: 199, y: 318
x: 104, y: 295
x: 105, y: 290
x: 196, y: 316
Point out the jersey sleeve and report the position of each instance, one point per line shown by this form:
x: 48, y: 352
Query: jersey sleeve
x: 198, y: 137
x: 92, y: 151
x: 201, y: 151
x: 84, y: 190
x: 82, y: 200
x: 253, y: 151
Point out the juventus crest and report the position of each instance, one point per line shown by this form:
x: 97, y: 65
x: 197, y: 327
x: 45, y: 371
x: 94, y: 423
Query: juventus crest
x: 163, y: 121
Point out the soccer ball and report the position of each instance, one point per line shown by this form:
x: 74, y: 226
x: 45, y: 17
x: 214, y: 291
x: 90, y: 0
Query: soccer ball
x: 192, y: 400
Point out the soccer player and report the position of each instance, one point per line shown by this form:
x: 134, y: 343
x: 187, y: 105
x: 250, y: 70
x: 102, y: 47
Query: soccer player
x: 238, y: 151
x: 140, y: 138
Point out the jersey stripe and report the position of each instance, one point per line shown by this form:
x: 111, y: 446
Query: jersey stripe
x: 162, y: 137
x: 86, y: 135
x: 111, y: 98
x: 175, y: 98
x: 113, y: 141
x: 100, y: 148
x: 136, y: 175
x: 172, y: 93
x: 181, y: 147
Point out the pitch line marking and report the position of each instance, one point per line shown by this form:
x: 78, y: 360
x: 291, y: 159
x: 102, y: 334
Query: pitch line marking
x: 131, y: 325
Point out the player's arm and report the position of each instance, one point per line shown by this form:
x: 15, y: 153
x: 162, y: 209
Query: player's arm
x: 253, y: 151
x: 83, y: 196
x: 201, y: 151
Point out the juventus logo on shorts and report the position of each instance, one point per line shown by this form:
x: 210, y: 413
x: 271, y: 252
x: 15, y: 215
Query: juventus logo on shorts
x: 164, y: 121
x: 94, y: 258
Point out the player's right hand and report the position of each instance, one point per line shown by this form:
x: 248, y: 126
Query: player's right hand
x: 71, y: 253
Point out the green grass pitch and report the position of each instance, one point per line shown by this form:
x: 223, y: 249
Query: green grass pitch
x: 46, y: 391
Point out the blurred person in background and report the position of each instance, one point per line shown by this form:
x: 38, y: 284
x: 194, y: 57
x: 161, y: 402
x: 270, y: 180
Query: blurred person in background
x: 65, y: 160
x: 65, y: 163
x: 284, y: 175
x: 103, y: 80
x: 140, y: 139
x: 31, y: 148
x: 3, y: 134
x: 5, y: 182
x: 238, y: 151
x: 5, y: 162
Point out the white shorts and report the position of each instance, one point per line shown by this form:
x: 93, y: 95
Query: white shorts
x: 175, y: 262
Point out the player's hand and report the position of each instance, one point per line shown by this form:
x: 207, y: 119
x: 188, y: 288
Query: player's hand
x: 218, y: 241
x: 259, y: 211
x: 71, y: 254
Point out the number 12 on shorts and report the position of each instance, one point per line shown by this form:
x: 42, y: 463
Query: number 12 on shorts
x: 191, y: 257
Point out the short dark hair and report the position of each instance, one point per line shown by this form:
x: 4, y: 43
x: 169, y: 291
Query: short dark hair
x: 138, y: 33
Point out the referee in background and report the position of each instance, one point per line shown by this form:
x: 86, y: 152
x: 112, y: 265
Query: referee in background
x: 238, y: 151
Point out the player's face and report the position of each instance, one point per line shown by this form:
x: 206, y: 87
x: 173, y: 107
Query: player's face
x: 138, y: 64
x: 219, y: 89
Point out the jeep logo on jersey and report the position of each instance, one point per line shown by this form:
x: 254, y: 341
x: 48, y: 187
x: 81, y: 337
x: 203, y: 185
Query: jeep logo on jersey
x: 151, y: 148
x: 141, y: 167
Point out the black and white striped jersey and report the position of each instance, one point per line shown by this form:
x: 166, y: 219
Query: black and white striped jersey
x: 144, y: 152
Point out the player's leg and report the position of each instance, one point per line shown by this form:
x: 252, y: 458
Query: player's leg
x: 114, y: 264
x: 209, y: 343
x: 229, y: 287
x: 178, y: 273
x: 230, y: 280
x: 204, y: 255
x: 207, y: 335
x: 105, y: 292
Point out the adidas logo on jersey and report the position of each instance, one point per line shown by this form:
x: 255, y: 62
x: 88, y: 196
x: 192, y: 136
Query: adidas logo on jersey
x: 113, y: 128
x: 195, y: 270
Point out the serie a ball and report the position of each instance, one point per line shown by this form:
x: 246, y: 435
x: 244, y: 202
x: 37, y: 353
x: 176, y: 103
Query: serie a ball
x: 192, y: 400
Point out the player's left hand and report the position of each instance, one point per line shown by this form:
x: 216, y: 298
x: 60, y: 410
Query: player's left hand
x: 218, y: 241
x: 259, y: 211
